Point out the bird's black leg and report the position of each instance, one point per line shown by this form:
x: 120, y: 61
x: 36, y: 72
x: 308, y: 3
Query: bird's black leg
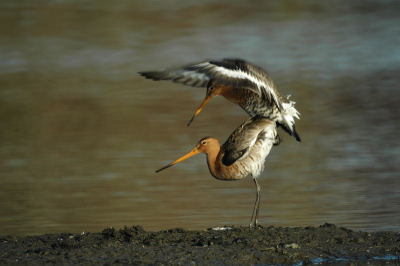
x: 254, y: 217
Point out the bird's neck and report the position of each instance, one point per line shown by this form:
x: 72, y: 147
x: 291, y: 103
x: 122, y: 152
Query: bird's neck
x: 217, y: 169
x: 214, y: 165
x: 236, y: 95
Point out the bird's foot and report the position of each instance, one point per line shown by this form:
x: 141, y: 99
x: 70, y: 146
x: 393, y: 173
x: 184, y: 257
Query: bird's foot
x: 253, y: 224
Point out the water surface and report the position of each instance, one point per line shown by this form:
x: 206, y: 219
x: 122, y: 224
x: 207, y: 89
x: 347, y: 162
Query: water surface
x: 81, y: 133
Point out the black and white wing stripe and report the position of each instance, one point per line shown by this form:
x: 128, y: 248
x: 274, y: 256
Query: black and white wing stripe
x: 228, y: 72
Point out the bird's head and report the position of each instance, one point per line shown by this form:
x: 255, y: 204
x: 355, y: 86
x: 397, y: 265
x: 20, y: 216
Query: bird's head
x: 203, y: 146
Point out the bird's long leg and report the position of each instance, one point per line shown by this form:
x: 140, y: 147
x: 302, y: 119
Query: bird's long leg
x: 254, y: 217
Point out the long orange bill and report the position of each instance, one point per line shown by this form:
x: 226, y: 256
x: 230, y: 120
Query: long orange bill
x: 190, y: 154
x: 199, y: 110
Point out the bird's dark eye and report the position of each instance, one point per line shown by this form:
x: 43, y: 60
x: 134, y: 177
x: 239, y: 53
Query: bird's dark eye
x: 204, y: 143
x: 211, y: 88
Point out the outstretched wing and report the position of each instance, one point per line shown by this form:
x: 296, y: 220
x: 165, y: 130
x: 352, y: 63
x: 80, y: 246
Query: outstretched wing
x: 185, y: 75
x: 239, y: 144
x: 228, y: 72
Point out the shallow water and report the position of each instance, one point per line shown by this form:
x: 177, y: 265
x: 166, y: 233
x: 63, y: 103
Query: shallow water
x: 81, y: 133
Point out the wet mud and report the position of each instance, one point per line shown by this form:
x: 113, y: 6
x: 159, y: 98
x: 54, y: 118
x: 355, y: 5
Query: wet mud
x: 215, y: 246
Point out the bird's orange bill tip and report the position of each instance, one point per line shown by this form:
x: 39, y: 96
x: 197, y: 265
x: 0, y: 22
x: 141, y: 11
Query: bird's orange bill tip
x: 199, y: 110
x: 190, y: 154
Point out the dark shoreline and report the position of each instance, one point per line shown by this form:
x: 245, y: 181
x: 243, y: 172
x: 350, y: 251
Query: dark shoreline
x: 235, y: 246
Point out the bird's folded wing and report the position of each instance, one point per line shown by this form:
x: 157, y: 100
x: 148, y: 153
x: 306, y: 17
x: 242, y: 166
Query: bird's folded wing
x: 239, y: 144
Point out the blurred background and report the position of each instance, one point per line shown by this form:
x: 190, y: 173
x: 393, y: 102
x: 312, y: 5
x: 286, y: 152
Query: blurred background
x: 81, y: 133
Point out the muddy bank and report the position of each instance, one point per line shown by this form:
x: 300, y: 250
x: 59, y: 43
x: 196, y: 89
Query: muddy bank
x: 235, y: 246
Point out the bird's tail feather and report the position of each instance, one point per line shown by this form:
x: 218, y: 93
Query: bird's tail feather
x: 289, y: 112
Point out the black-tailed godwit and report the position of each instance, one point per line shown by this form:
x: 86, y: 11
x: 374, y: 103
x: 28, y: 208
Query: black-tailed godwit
x: 241, y: 83
x: 242, y: 154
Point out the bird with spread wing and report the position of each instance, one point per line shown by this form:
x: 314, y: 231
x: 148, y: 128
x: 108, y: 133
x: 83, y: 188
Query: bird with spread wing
x: 240, y: 82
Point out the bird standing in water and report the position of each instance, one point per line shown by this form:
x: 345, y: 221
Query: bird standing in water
x: 241, y: 83
x: 242, y: 154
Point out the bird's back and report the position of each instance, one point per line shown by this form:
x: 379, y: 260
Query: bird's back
x: 245, y: 150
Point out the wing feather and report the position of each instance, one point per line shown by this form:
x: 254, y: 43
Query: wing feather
x: 227, y: 72
x: 239, y: 144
